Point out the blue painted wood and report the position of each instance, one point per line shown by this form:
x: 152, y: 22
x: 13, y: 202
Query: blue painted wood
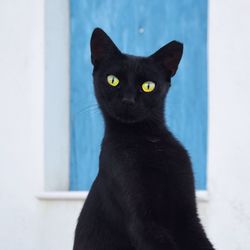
x: 161, y: 21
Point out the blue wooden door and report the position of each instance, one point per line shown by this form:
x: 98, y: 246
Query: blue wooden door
x: 139, y: 27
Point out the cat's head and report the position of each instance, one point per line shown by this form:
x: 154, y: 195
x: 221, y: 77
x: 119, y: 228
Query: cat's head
x: 131, y: 88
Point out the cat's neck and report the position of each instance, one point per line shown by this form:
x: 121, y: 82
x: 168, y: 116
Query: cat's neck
x: 148, y: 127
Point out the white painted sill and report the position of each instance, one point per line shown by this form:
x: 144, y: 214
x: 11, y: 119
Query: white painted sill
x: 202, y: 196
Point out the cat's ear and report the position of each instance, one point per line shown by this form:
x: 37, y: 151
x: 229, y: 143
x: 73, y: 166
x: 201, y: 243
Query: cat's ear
x: 101, y: 46
x: 169, y: 56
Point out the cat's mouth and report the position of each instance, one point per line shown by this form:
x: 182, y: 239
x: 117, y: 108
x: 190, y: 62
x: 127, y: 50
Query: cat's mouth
x: 128, y: 113
x: 125, y: 114
x: 129, y: 116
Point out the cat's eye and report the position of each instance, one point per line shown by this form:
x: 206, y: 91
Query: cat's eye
x: 148, y: 86
x: 112, y: 80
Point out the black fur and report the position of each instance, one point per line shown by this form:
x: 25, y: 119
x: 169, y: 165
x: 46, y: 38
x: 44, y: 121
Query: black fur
x: 143, y: 197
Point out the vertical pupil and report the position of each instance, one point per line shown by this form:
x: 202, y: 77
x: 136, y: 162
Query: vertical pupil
x: 148, y: 85
x: 112, y: 80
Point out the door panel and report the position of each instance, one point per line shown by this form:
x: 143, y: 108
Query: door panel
x: 139, y: 27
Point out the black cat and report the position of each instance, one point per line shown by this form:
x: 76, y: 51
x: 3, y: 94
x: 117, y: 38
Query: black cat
x: 143, y: 197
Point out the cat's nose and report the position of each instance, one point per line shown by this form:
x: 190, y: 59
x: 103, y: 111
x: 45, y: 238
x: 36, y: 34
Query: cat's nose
x: 128, y: 100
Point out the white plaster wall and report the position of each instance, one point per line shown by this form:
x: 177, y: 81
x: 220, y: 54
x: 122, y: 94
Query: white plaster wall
x: 228, y: 211
x: 28, y: 223
x: 21, y: 125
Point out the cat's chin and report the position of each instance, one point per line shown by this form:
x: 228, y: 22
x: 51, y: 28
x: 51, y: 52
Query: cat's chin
x: 121, y: 117
x: 126, y: 120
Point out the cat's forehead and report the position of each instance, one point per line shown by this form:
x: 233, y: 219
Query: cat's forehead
x: 134, y: 64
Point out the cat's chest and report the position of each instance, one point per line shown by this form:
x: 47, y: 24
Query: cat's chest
x: 147, y: 166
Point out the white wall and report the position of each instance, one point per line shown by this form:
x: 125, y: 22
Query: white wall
x: 228, y: 214
x: 28, y: 223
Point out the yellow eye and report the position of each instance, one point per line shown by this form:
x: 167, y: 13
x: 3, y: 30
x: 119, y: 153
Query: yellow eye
x: 112, y: 80
x: 148, y: 86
